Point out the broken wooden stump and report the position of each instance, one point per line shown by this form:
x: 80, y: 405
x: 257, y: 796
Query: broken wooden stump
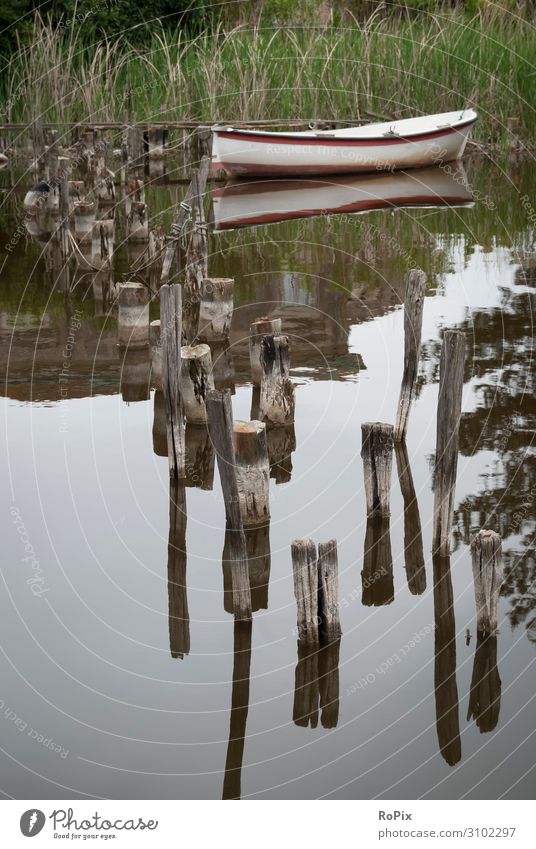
x: 170, y: 339
x: 215, y: 308
x: 413, y: 545
x: 179, y: 617
x: 156, y: 354
x: 328, y: 591
x: 305, y: 572
x: 377, y: 454
x: 220, y: 426
x: 133, y: 315
x: 261, y: 327
x: 413, y: 310
x: 253, y: 472
x: 486, y: 552
x: 196, y: 380
x: 448, y: 425
x: 276, y: 402
x: 377, y: 585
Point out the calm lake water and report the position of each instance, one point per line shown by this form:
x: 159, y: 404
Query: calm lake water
x: 92, y: 702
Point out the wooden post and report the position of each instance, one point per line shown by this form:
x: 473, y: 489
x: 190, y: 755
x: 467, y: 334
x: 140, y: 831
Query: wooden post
x: 215, y: 308
x: 252, y: 471
x: 486, y: 552
x: 199, y: 462
x: 305, y: 572
x: 133, y: 316
x: 179, y: 617
x: 377, y: 574
x: 196, y: 380
x: 137, y: 225
x: 276, y: 403
x: 260, y: 327
x: 413, y: 546
x: 446, y: 688
x: 156, y: 354
x: 328, y: 591
x: 197, y: 251
x: 413, y: 309
x: 204, y: 141
x: 172, y: 252
x: 239, y: 710
x: 170, y: 339
x: 377, y: 454
x: 135, y: 147
x: 448, y: 425
x: 155, y: 140
x: 63, y: 177
x: 220, y: 425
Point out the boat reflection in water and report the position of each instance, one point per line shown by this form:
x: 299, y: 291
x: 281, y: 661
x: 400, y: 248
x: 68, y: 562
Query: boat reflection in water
x: 249, y: 204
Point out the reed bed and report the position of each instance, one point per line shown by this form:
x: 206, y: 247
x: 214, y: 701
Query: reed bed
x: 395, y: 68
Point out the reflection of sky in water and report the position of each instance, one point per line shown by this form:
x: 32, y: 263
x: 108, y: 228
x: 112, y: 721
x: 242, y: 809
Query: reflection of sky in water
x: 88, y: 663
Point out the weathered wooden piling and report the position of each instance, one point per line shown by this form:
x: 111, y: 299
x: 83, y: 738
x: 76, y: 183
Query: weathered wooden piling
x: 253, y: 472
x: 133, y: 315
x: 220, y: 425
x: 204, y: 141
x: 377, y: 454
x: 84, y: 221
x: 155, y: 143
x: 413, y: 545
x: 215, y: 309
x: 156, y: 354
x: 239, y: 710
x: 179, y: 617
x: 277, y: 401
x: 305, y: 572
x: 445, y: 686
x: 137, y: 224
x: 261, y: 327
x: 413, y: 310
x: 448, y: 425
x: 328, y: 591
x: 196, y: 380
x: 486, y: 552
x: 170, y: 339
x: 377, y: 585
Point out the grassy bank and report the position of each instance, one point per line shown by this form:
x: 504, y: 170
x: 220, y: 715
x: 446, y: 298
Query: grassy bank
x: 397, y: 67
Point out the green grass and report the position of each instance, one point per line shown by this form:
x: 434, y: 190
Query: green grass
x: 392, y: 66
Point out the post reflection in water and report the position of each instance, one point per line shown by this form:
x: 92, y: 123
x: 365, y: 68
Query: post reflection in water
x: 316, y: 685
x: 280, y: 442
x: 259, y: 562
x: 446, y: 688
x: 135, y: 377
x: 239, y: 710
x: 413, y: 547
x: 179, y: 618
x: 485, y: 696
x: 199, y: 457
x: 377, y: 574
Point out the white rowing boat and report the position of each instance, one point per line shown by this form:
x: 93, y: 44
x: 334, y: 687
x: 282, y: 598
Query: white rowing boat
x: 257, y: 202
x: 409, y: 143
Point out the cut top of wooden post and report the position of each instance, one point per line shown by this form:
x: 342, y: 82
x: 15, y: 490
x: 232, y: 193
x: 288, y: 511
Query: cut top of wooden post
x: 377, y: 454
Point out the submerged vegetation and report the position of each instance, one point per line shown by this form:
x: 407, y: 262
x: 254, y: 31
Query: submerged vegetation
x: 387, y: 65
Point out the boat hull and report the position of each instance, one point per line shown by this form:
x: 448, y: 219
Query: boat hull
x: 246, y: 153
